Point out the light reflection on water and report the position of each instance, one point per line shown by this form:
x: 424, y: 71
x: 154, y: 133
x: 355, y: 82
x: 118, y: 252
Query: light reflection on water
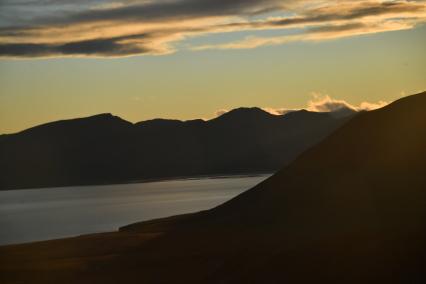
x: 49, y: 213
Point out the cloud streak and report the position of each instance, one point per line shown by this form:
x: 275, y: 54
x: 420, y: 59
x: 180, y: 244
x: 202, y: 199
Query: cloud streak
x: 58, y: 28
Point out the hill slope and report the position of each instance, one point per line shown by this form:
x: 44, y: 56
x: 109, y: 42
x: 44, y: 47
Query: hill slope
x: 349, y: 210
x: 106, y: 149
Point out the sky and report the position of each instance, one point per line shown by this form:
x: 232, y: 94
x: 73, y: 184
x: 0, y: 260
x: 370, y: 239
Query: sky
x: 187, y: 59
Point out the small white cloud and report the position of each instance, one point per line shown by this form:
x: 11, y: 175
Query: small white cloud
x: 372, y: 106
x: 325, y: 103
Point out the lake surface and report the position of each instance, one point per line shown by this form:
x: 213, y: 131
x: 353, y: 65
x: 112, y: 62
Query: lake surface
x: 49, y: 213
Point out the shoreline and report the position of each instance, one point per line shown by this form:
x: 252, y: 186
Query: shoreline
x: 124, y: 224
x: 152, y: 180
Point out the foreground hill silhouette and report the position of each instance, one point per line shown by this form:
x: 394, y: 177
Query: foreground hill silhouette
x: 349, y: 210
x: 106, y: 149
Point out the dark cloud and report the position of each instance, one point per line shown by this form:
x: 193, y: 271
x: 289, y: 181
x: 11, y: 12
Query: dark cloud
x: 24, y: 49
x: 100, y: 47
x: 102, y: 27
x: 163, y: 10
x: 342, y: 13
x: 337, y: 28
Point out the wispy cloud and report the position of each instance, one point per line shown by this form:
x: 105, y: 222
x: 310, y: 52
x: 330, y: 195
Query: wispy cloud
x: 107, y: 28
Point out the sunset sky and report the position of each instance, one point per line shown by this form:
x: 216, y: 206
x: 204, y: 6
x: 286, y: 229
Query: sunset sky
x: 185, y: 59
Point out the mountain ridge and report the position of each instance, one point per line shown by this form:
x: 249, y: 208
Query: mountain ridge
x: 104, y: 148
x: 109, y: 116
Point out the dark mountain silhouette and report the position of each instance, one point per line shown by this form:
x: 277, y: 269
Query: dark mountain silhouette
x: 349, y: 210
x: 107, y: 149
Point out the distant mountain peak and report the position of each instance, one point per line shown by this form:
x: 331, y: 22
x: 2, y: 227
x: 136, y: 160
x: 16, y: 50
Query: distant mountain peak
x: 159, y: 122
x: 98, y: 119
x: 340, y: 113
x: 95, y: 120
x: 245, y: 112
x: 301, y: 113
x: 104, y: 116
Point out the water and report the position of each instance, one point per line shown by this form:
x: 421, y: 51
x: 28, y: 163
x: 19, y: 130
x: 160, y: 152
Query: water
x: 50, y: 213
